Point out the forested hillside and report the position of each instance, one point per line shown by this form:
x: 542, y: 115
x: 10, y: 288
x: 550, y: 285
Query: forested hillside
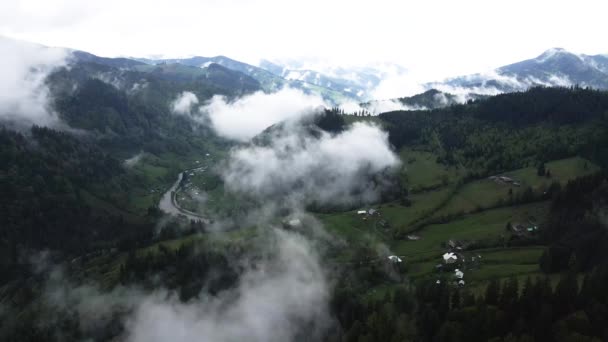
x: 509, y: 131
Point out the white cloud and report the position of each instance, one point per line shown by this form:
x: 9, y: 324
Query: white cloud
x: 130, y: 162
x: 281, y: 293
x: 480, y: 84
x: 328, y: 169
x: 378, y: 107
x: 249, y: 115
x: 278, y: 299
x: 396, y: 85
x: 412, y: 33
x: 23, y: 93
x: 184, y: 102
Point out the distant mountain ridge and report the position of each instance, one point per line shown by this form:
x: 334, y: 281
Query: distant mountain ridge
x: 269, y: 81
x: 360, y: 81
x: 554, y: 67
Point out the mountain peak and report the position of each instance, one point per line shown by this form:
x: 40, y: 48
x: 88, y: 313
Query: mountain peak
x: 551, y: 53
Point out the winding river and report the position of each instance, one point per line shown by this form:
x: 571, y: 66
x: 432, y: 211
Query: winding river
x: 169, y: 205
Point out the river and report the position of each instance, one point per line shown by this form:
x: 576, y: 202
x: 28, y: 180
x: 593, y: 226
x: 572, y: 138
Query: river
x: 168, y: 203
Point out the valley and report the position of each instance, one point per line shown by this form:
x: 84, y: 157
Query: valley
x: 275, y: 202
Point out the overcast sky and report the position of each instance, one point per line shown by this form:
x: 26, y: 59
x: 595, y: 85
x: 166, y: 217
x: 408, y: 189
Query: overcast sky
x: 434, y: 38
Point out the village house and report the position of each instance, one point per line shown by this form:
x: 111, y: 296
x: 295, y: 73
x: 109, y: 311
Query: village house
x: 450, y: 258
x: 458, y: 274
x: 394, y: 259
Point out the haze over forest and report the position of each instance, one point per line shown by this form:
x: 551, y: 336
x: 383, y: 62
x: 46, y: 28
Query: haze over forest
x: 267, y: 171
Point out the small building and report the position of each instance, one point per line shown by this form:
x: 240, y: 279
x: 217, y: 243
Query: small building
x: 450, y: 258
x: 532, y: 229
x: 458, y: 274
x: 294, y: 223
x: 372, y: 212
x: 394, y: 259
x: 361, y: 212
x: 413, y: 237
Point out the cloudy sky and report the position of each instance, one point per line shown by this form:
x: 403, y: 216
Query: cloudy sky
x: 436, y: 38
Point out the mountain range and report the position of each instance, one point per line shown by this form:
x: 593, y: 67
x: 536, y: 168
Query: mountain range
x: 340, y: 84
x: 554, y: 67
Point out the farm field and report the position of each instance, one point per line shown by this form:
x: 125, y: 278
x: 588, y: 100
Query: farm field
x: 474, y: 214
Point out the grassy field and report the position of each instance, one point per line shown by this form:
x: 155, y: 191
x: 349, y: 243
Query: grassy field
x: 422, y: 171
x: 354, y: 227
x: 482, y: 225
x: 562, y: 171
x: 439, y: 193
x: 486, y: 225
x: 486, y: 193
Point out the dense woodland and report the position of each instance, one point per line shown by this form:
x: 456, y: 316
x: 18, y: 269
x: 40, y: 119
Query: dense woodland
x: 576, y: 231
x: 46, y: 177
x: 573, y: 308
x: 535, y: 310
x: 509, y: 131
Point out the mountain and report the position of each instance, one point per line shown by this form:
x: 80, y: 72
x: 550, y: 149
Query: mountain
x: 127, y: 104
x: 358, y: 82
x: 510, y: 130
x: 122, y: 63
x: 554, y: 67
x: 269, y: 81
x: 430, y: 99
x: 353, y: 86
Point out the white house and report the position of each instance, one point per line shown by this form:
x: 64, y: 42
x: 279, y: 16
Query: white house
x: 361, y: 212
x: 294, y: 223
x: 450, y: 258
x: 458, y: 274
x: 394, y: 258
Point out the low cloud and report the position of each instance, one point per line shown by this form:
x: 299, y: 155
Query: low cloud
x: 281, y: 295
x: 184, y: 103
x: 329, y: 169
x: 110, y: 78
x: 398, y: 84
x: 130, y: 162
x: 493, y: 83
x: 23, y: 93
x: 279, y: 300
x: 378, y: 107
x: 249, y: 115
